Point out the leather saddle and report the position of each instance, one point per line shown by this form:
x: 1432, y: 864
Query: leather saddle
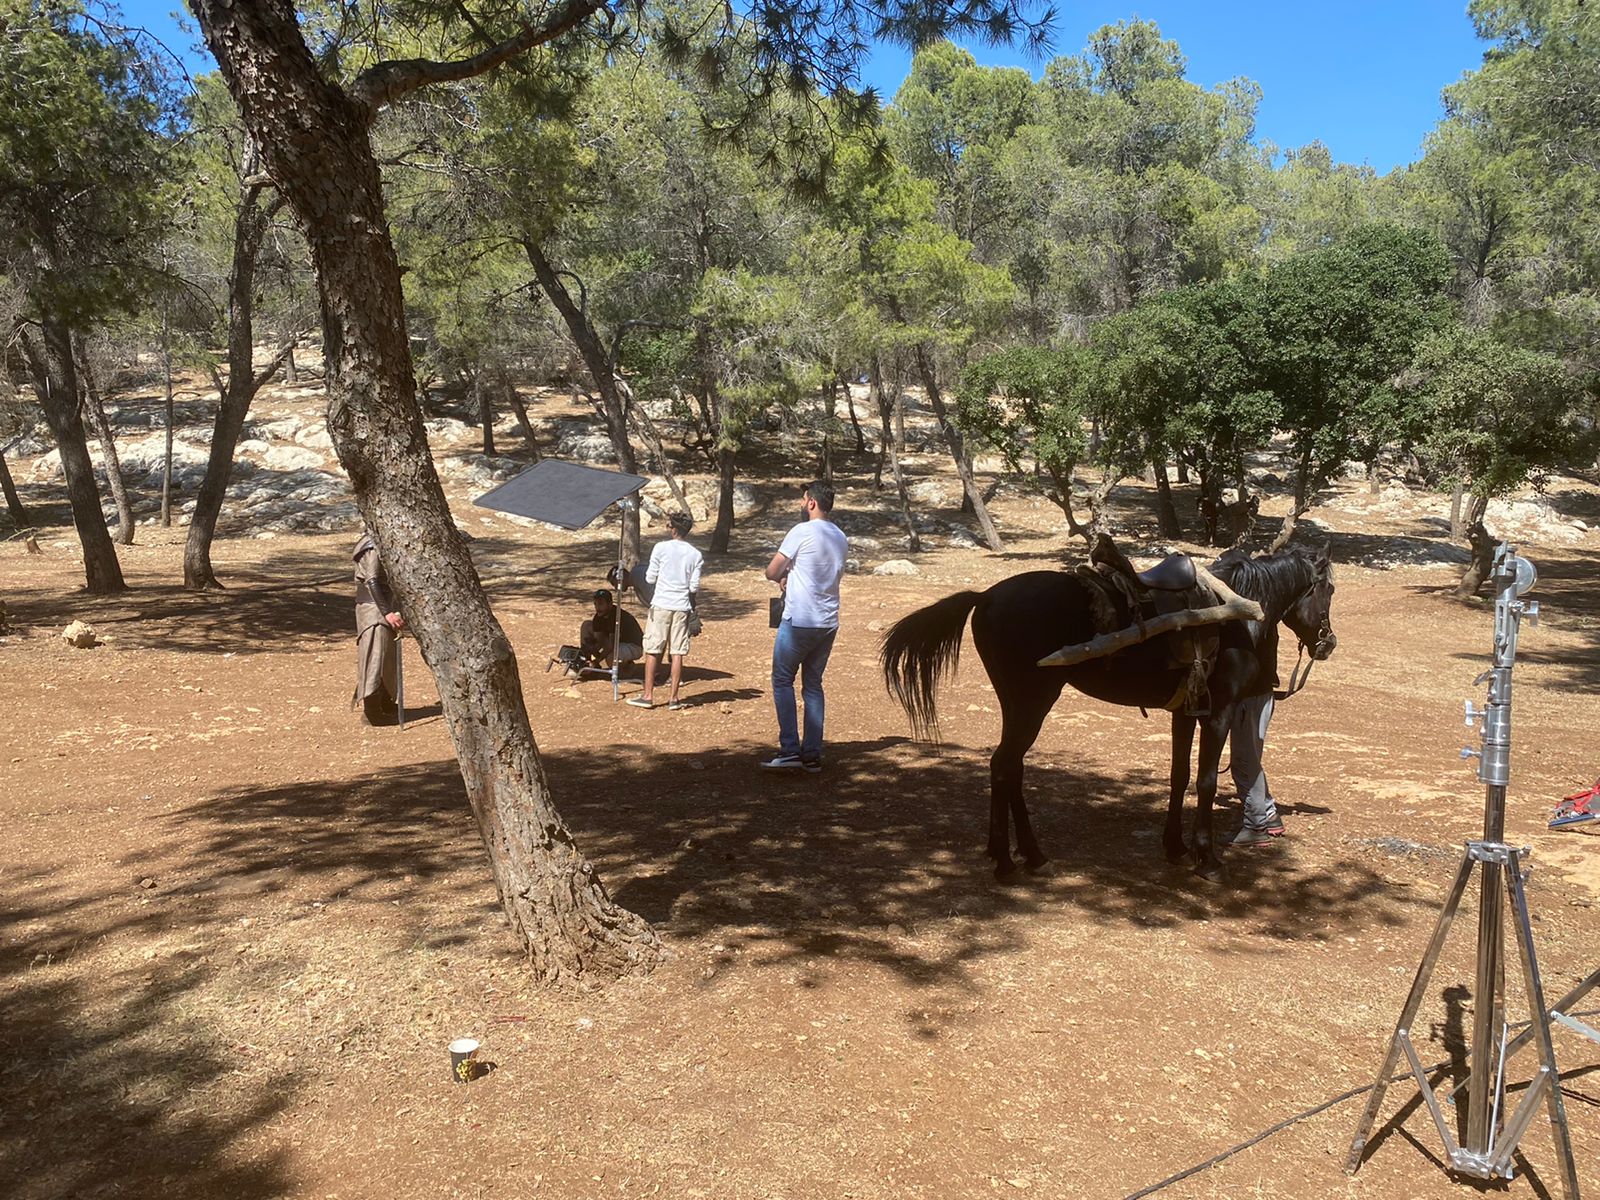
x: 1127, y: 596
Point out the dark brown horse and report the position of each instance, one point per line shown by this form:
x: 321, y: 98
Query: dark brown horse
x: 1022, y: 619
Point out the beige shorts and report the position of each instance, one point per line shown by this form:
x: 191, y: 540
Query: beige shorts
x: 666, y: 630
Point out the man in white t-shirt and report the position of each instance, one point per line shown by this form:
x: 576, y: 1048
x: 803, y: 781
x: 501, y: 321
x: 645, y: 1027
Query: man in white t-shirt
x: 675, y: 573
x: 808, y: 566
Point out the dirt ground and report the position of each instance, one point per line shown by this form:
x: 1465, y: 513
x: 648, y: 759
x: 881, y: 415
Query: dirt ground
x: 240, y: 929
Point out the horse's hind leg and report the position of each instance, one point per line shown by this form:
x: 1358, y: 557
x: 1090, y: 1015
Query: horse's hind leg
x: 1021, y: 719
x: 1213, y: 733
x: 1182, y: 748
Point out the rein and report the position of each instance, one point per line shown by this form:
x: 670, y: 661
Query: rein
x: 1296, y: 680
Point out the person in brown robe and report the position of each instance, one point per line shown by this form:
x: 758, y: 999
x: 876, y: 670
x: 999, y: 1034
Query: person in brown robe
x: 377, y: 624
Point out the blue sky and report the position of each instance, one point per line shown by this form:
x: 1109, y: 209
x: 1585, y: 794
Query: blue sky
x: 1362, y: 75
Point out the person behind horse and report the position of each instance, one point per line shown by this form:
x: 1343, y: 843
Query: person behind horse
x: 597, y: 635
x: 674, y: 572
x: 808, y: 566
x: 378, y: 621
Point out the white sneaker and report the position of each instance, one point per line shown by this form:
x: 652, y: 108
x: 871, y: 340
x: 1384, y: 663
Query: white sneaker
x: 783, y: 762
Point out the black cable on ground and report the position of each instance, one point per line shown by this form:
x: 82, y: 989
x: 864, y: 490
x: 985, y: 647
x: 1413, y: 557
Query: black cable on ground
x: 1215, y: 1159
x: 1270, y: 1130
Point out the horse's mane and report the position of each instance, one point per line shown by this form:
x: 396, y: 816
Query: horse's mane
x: 1272, y: 580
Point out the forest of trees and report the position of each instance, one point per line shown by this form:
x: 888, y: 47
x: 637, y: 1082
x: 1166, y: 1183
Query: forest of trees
x: 1097, y: 275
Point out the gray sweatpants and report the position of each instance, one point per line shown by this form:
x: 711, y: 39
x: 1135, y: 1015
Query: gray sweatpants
x: 1251, y: 717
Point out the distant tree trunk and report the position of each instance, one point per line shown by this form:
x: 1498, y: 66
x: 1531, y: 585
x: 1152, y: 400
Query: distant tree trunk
x: 597, y: 361
x: 485, y: 400
x: 850, y: 406
x: 726, y: 459
x: 56, y: 383
x: 1302, y: 503
x: 958, y: 451
x: 652, y: 440
x: 96, y: 409
x: 1373, y: 477
x: 829, y: 402
x: 291, y: 374
x: 520, y: 411
x: 313, y: 135
x: 238, y: 391
x: 722, y: 535
x: 1183, y: 471
x: 1458, y: 526
x: 899, y: 416
x: 19, y: 515
x: 166, y: 460
x: 886, y: 419
x: 1166, y: 509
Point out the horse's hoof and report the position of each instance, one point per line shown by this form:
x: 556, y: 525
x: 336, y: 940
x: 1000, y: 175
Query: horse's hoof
x: 1037, y: 866
x: 1007, y: 872
x: 1176, y: 854
x: 1211, y: 872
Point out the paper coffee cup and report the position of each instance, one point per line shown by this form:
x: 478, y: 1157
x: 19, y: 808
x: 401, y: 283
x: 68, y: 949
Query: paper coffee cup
x: 462, y: 1053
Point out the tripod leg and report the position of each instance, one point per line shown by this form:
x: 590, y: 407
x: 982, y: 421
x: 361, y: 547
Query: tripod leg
x: 1402, y: 1029
x: 1540, y: 1028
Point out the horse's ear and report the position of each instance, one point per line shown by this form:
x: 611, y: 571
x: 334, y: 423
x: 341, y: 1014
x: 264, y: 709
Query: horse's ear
x: 1325, y: 553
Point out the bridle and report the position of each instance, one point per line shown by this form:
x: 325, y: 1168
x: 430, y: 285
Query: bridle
x: 1297, y: 680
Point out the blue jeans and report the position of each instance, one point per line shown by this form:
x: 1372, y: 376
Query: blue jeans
x: 797, y: 648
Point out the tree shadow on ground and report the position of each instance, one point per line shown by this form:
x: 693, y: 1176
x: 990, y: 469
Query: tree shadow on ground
x: 101, y: 1082
x: 299, y: 597
x: 876, y: 860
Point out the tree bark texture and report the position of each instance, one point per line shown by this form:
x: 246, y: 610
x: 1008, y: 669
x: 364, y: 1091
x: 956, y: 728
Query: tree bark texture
x: 95, y: 407
x: 56, y: 382
x: 19, y: 515
x: 166, y: 458
x: 597, y: 361
x: 958, y: 451
x: 314, y: 139
x: 234, y: 395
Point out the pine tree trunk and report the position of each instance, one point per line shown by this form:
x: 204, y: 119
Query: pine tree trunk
x: 56, y: 384
x: 524, y: 426
x: 485, y: 411
x: 95, y: 407
x: 291, y: 374
x: 19, y: 515
x: 958, y: 451
x: 652, y: 440
x: 234, y: 396
x: 850, y: 406
x: 313, y: 136
x: 886, y: 420
x: 1458, y: 527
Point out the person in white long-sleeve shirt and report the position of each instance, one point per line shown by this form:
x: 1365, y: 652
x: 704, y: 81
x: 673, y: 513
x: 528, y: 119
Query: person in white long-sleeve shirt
x: 674, y: 572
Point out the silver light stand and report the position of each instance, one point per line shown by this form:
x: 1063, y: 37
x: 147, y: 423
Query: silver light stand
x: 1492, y: 1135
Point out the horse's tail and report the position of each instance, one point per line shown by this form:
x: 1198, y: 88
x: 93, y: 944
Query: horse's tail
x: 917, y: 653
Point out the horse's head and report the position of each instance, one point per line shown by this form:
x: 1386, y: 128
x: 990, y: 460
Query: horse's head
x: 1309, y: 616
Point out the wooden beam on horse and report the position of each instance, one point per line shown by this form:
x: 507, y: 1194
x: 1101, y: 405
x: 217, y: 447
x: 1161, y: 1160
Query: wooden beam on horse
x: 1234, y: 607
